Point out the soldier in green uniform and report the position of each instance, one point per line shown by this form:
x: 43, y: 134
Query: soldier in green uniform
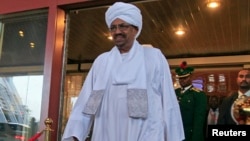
x: 193, y: 104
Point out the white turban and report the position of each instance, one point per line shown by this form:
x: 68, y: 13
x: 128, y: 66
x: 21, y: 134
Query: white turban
x: 124, y: 11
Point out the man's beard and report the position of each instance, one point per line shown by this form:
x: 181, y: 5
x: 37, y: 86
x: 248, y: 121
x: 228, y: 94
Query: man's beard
x: 244, y: 85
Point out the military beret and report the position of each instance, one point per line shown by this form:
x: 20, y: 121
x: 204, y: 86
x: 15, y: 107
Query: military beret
x: 183, y: 70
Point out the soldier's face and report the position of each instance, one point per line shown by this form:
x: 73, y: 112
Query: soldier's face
x: 185, y: 81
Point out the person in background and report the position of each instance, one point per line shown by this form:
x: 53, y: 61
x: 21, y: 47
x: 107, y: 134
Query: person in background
x: 213, y: 110
x: 193, y: 104
x: 225, y: 109
x: 33, y: 127
x: 128, y: 93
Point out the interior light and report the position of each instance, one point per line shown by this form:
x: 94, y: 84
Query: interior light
x: 179, y: 32
x: 32, y: 45
x: 110, y: 37
x: 21, y: 34
x: 213, y: 3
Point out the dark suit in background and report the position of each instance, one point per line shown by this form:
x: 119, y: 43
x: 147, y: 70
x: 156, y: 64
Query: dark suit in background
x: 243, y: 82
x: 225, y: 116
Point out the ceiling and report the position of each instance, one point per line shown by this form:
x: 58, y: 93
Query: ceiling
x: 209, y: 32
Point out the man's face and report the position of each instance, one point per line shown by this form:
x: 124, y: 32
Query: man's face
x: 243, y: 79
x: 123, y: 34
x: 214, y: 102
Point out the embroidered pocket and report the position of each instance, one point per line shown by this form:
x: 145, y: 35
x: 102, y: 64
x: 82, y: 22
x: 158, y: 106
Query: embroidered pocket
x: 94, y: 102
x: 137, y: 103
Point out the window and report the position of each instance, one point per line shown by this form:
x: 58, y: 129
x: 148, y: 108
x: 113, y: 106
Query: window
x: 22, y: 51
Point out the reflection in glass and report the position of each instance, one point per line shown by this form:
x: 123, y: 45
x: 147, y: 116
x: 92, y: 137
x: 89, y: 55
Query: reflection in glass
x: 222, y: 78
x: 22, y: 51
x: 211, y: 78
x: 210, y: 87
x: 23, y: 40
x: 20, y: 102
x: 72, y: 87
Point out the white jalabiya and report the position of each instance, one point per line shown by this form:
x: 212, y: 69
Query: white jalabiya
x: 112, y: 121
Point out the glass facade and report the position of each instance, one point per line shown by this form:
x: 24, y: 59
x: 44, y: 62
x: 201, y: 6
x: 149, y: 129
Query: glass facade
x: 22, y: 51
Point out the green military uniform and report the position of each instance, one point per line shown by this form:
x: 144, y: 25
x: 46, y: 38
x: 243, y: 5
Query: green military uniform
x: 193, y: 105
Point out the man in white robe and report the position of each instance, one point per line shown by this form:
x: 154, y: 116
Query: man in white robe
x: 128, y: 94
